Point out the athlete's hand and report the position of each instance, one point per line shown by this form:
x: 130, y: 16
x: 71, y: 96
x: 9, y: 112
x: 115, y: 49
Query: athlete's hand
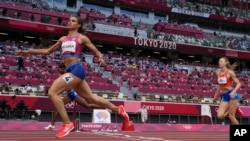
x: 232, y: 94
x: 215, y: 99
x: 21, y: 52
x: 101, y: 61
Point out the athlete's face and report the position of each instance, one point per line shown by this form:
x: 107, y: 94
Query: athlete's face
x: 222, y: 63
x: 60, y: 70
x: 73, y: 23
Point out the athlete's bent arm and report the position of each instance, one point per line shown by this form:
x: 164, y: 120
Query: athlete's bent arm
x: 236, y: 81
x: 217, y: 92
x: 85, y: 41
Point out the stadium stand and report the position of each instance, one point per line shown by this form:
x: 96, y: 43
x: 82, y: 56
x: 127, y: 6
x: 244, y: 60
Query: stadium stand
x: 132, y: 74
x: 214, y: 7
x: 170, y: 31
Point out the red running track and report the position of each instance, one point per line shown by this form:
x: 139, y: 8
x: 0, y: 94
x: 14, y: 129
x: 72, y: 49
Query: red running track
x: 115, y: 136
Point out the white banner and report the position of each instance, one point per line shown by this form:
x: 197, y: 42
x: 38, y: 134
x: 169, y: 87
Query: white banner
x: 189, y: 12
x: 205, y: 110
x: 101, y: 116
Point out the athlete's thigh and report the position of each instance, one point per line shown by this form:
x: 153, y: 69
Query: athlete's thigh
x: 223, y: 107
x: 64, y: 83
x: 84, y: 91
x: 233, y: 104
x: 80, y: 100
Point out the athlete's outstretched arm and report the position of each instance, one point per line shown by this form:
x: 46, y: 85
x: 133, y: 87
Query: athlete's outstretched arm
x: 46, y: 51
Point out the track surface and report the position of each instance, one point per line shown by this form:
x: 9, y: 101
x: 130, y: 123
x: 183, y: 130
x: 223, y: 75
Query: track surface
x: 114, y: 136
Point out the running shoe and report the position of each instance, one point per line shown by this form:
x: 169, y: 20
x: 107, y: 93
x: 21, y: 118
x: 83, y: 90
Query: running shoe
x: 65, y: 130
x: 49, y: 127
x: 123, y: 113
x: 239, y: 111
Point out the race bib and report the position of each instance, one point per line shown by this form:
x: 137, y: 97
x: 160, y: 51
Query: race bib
x: 67, y: 78
x: 222, y: 80
x: 69, y: 46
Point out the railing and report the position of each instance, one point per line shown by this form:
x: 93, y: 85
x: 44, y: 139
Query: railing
x: 159, y: 112
x: 152, y: 118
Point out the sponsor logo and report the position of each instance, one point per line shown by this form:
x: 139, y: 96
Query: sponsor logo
x: 49, y: 28
x: 102, y: 115
x: 216, y: 109
x: 185, y: 126
x: 210, y: 50
x: 70, y: 105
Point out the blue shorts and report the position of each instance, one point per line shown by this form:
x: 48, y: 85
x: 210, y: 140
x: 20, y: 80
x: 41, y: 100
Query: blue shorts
x: 72, y: 94
x: 77, y: 70
x: 226, y: 97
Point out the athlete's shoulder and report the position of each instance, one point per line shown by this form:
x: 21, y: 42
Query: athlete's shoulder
x: 217, y: 71
x: 82, y: 36
x: 231, y: 72
x: 84, y: 39
x: 62, y: 38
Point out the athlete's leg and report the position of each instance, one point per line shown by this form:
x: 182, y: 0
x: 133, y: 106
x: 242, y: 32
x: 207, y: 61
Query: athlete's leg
x: 80, y: 100
x: 233, y: 105
x: 64, y: 83
x: 84, y: 91
x: 226, y: 113
x: 56, y: 114
x: 84, y: 103
x: 238, y: 111
x: 222, y: 110
x: 51, y: 126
